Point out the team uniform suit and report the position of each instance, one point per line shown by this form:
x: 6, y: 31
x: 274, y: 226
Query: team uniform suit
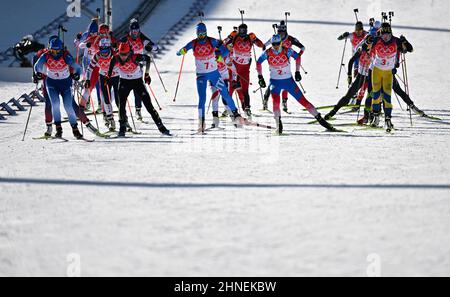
x: 58, y: 82
x: 242, y: 58
x: 97, y: 72
x: 48, y: 105
x: 385, y: 58
x: 288, y: 42
x: 130, y: 72
x: 208, y: 71
x: 228, y: 73
x: 139, y: 45
x: 281, y: 78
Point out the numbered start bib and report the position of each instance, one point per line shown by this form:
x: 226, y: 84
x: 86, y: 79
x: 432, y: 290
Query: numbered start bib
x: 242, y: 51
x: 57, y: 69
x: 137, y: 45
x: 385, y: 56
x: 104, y: 63
x: 280, y: 68
x: 129, y: 70
x: 205, y: 58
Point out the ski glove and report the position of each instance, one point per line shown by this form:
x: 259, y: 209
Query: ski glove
x: 182, y: 52
x: 147, y: 79
x: 236, y: 84
x: 343, y: 36
x: 298, y: 76
x: 75, y: 76
x: 37, y: 77
x: 79, y: 35
x: 262, y: 82
x: 88, y: 45
x: 152, y: 48
x: 87, y: 84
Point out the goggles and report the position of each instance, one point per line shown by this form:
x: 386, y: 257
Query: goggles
x: 55, y: 52
x: 105, y: 50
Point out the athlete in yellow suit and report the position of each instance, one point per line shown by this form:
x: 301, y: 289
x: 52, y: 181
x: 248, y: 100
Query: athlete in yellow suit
x: 385, y: 55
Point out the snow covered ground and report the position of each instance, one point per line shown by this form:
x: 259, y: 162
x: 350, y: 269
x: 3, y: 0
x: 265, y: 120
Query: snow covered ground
x: 242, y: 202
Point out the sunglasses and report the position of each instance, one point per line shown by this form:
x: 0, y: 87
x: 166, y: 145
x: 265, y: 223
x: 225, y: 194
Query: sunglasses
x: 278, y: 44
x: 201, y: 35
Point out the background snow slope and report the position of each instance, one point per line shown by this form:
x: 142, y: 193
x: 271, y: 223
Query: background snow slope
x: 241, y: 202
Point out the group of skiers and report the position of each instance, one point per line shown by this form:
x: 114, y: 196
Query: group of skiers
x: 116, y: 67
x: 377, y: 56
x: 111, y: 67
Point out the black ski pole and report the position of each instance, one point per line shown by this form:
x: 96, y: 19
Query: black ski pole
x: 219, y: 28
x: 342, y: 64
x: 287, y: 14
x: 157, y: 71
x: 301, y: 86
x: 77, y: 94
x: 201, y: 15
x: 356, y: 11
x: 407, y: 85
x: 242, y: 12
x: 29, y: 115
x: 275, y: 28
x: 131, y: 114
x: 254, y: 53
x: 391, y: 14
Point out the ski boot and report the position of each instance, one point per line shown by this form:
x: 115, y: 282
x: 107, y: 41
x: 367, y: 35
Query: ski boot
x: 370, y: 119
x: 139, y: 114
x: 285, y: 105
x: 416, y: 110
x: 92, y: 129
x: 325, y: 124
x: 201, y: 125
x: 123, y: 129
x: 279, y: 125
x: 59, y: 131
x: 375, y: 120
x: 357, y: 107
x: 330, y: 115
x: 76, y: 132
x: 216, y: 120
x: 105, y: 120
x: 99, y: 110
x: 265, y: 105
x: 389, y: 125
x: 248, y: 113
x: 110, y: 123
x: 88, y: 105
x: 238, y: 120
x: 225, y: 114
x: 49, y: 131
x: 365, y: 119
x: 128, y: 127
x: 163, y: 130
